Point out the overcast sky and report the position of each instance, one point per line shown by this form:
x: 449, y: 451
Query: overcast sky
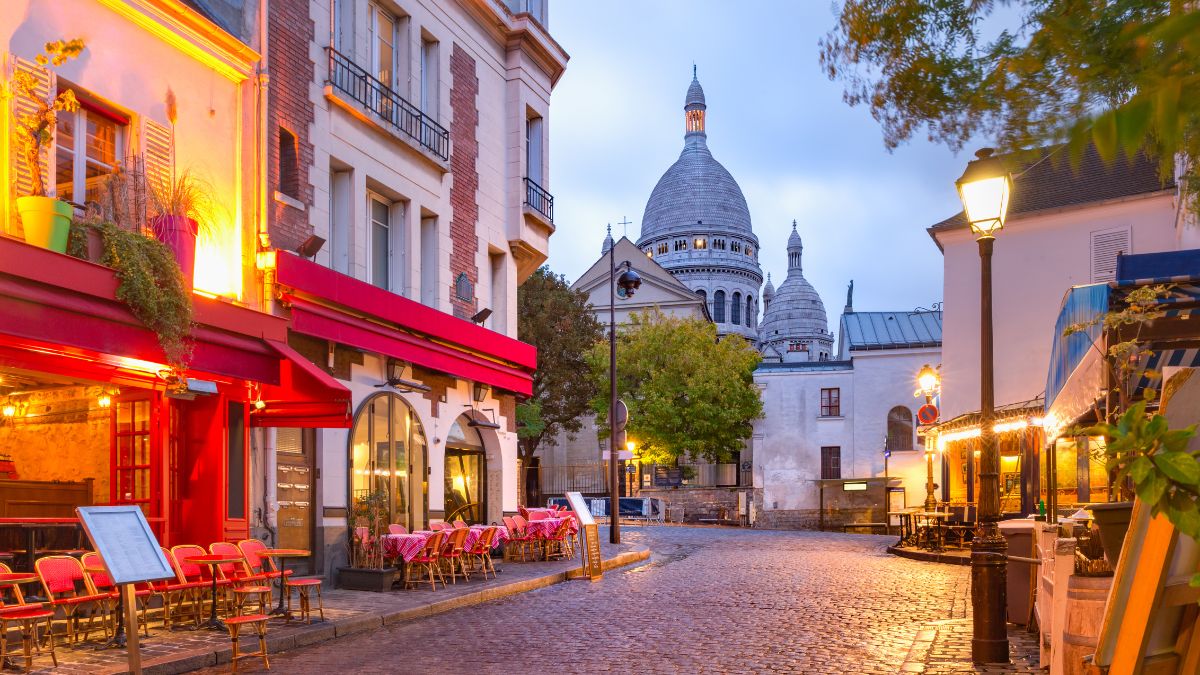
x: 775, y: 122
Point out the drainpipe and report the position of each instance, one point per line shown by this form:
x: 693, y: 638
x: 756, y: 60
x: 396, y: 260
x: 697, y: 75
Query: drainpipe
x: 263, y: 238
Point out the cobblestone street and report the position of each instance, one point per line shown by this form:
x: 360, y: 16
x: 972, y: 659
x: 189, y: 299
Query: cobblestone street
x: 708, y: 600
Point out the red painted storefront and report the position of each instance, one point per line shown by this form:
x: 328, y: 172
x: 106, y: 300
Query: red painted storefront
x: 185, y: 461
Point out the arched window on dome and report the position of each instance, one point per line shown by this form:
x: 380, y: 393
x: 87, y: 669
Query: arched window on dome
x: 900, y: 429
x: 703, y: 295
x: 662, y: 247
x: 700, y: 243
x: 749, y: 311
x: 719, y: 307
x: 735, y: 246
x: 735, y: 309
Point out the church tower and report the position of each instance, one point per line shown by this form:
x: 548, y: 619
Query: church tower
x: 794, y: 326
x: 697, y: 226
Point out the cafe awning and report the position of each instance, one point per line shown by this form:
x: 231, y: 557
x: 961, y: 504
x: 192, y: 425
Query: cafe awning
x: 306, y: 396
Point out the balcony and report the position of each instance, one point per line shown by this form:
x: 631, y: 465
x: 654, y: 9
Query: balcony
x: 539, y: 200
x: 398, y: 115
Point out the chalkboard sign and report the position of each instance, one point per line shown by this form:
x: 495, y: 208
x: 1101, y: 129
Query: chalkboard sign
x: 592, y: 567
x: 124, y: 540
x: 668, y: 476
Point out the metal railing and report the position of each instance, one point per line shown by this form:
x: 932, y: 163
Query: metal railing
x: 703, y: 475
x: 539, y: 200
x: 557, y: 480
x: 379, y: 98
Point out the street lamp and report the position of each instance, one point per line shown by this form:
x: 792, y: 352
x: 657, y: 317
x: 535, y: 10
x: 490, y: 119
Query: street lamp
x: 985, y: 188
x: 929, y: 381
x: 624, y: 285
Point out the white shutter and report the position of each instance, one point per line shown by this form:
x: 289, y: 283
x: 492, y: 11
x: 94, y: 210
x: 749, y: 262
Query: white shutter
x: 20, y: 172
x: 1106, y: 246
x: 155, y: 147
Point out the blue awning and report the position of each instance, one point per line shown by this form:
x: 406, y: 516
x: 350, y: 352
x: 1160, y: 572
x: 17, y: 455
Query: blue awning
x: 1081, y: 304
x: 1158, y: 268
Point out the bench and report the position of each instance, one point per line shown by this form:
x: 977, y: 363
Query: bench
x: 853, y: 526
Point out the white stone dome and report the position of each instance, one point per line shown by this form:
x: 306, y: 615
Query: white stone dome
x: 795, y: 322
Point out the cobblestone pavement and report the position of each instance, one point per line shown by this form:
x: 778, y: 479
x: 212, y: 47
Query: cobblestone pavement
x: 709, y: 600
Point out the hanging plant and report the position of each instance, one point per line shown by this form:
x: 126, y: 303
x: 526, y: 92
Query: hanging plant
x: 150, y: 283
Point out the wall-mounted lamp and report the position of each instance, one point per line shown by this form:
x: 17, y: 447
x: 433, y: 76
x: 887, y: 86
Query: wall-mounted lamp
x: 481, y: 316
x: 394, y: 376
x: 104, y: 401
x: 310, y: 247
x: 481, y: 392
x: 10, y: 410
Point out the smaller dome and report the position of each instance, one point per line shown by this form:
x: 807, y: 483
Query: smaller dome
x: 608, y: 242
x: 769, y: 290
x: 794, y: 240
x: 794, y: 322
x: 695, y: 94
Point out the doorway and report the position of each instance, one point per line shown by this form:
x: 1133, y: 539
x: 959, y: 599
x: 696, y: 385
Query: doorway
x: 294, y: 471
x: 466, y: 474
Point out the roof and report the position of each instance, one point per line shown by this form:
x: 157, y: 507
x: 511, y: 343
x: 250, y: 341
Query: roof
x: 892, y: 330
x: 1051, y: 182
x: 1007, y: 411
x: 809, y: 366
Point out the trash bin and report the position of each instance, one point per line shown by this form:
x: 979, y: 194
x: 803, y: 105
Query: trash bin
x: 1019, y: 535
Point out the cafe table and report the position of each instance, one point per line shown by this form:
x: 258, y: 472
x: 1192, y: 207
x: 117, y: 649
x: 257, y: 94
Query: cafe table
x: 907, y: 531
x: 30, y: 528
x: 280, y: 554
x: 212, y: 561
x: 933, y: 520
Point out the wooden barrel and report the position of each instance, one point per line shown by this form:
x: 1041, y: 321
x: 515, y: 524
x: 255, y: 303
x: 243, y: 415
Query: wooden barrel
x: 1085, y: 612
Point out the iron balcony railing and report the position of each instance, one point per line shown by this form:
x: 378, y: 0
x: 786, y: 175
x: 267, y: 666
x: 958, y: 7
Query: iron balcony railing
x: 539, y: 200
x: 399, y: 114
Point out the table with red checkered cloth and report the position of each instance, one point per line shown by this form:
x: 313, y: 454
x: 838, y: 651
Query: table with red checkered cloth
x: 545, y: 528
x: 408, y: 546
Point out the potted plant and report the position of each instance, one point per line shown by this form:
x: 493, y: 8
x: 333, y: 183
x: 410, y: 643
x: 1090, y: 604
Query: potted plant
x: 178, y: 205
x: 367, y: 571
x: 46, y: 220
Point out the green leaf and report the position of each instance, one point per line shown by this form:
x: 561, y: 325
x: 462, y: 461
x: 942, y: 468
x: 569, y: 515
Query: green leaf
x: 1152, y: 489
x: 1140, y: 469
x: 1104, y: 135
x: 1179, y: 466
x: 1133, y: 119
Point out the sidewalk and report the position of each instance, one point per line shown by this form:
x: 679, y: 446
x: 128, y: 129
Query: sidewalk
x: 346, y: 613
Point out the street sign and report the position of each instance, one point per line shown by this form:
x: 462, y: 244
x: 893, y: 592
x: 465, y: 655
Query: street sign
x: 622, y: 417
x: 927, y: 414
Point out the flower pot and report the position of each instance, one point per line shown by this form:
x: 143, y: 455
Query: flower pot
x: 95, y: 245
x: 366, y: 579
x: 179, y: 234
x: 1113, y: 520
x: 46, y: 221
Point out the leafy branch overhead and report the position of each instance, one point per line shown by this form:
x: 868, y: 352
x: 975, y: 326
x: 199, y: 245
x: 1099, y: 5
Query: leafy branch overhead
x: 1027, y: 73
x: 35, y: 128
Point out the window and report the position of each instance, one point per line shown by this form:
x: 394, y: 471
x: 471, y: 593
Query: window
x: 381, y: 29
x: 797, y: 346
x: 429, y: 77
x: 429, y: 257
x: 735, y: 309
x: 381, y: 242
x: 235, y: 461
x: 831, y: 402
x: 88, y: 143
x: 649, y: 250
x: 662, y: 248
x: 718, y: 244
x: 533, y: 150
x: 749, y: 250
x: 681, y: 244
x: 703, y: 296
x: 831, y: 462
x: 719, y: 307
x: 289, y: 168
x: 900, y: 429
x: 700, y: 243
x: 735, y: 246
x: 387, y: 454
x: 341, y: 215
x: 750, y: 313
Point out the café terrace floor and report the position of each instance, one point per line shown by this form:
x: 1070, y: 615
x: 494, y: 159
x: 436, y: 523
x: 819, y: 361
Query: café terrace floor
x: 346, y: 613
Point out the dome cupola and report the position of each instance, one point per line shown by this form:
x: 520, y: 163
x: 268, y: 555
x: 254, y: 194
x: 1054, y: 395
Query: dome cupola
x: 794, y: 321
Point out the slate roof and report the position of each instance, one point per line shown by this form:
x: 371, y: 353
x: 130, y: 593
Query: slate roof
x: 892, y: 330
x: 1054, y: 183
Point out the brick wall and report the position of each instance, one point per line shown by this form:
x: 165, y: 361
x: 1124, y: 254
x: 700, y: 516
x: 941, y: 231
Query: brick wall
x: 464, y: 154
x: 290, y: 33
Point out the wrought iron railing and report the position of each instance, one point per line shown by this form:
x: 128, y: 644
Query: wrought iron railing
x: 383, y: 101
x: 558, y: 480
x: 539, y: 200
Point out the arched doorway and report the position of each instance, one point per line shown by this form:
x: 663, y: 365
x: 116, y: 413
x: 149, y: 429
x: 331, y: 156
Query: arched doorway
x: 466, y: 473
x: 388, y: 454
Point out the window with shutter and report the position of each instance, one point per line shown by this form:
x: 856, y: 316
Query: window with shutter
x: 20, y: 172
x: 155, y: 148
x: 1106, y: 246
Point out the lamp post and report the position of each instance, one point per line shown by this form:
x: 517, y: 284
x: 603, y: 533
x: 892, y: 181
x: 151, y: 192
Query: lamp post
x: 625, y: 286
x: 985, y: 188
x: 929, y: 382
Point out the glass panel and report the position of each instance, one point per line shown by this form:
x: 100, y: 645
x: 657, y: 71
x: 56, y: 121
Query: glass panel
x: 400, y: 434
x: 236, y: 461
x: 381, y: 457
x: 64, y: 156
x: 141, y: 415
x: 1097, y: 474
x: 385, y: 30
x: 464, y: 474
x: 360, y: 457
x: 380, y: 240
x: 1066, y: 462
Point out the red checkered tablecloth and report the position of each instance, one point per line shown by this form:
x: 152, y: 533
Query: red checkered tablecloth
x: 407, y: 546
x: 545, y: 528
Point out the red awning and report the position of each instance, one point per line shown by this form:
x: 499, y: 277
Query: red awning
x: 306, y: 396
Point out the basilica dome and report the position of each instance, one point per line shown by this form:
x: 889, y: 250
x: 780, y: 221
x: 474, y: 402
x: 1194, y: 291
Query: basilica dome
x: 697, y: 226
x: 794, y: 326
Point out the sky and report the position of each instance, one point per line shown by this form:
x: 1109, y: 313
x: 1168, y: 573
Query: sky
x: 774, y: 120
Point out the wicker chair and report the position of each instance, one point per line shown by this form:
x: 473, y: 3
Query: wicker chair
x: 62, y: 576
x: 428, y: 560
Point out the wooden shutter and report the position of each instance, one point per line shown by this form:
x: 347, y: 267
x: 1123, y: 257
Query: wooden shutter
x: 1106, y: 245
x: 20, y: 174
x: 155, y: 148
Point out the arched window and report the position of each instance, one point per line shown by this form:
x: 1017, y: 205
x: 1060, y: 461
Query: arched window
x: 719, y: 306
x: 466, y: 473
x: 749, y: 311
x: 387, y: 454
x: 735, y: 309
x: 900, y: 429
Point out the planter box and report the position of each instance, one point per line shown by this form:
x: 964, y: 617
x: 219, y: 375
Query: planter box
x: 1113, y: 520
x: 363, y: 579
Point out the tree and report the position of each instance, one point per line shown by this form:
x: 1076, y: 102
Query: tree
x: 689, y: 394
x: 1121, y: 74
x: 559, y: 322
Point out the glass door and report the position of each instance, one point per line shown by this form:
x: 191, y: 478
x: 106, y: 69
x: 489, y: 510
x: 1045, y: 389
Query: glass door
x: 134, y: 479
x: 464, y: 485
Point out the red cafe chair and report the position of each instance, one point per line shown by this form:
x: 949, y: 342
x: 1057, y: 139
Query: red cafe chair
x: 428, y: 561
x: 101, y: 583
x: 397, y: 529
x: 245, y: 585
x: 61, y: 577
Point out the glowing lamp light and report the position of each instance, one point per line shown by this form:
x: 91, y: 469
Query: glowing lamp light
x: 985, y: 188
x: 460, y: 484
x: 10, y: 410
x: 104, y: 401
x: 631, y: 446
x: 928, y: 379
x: 266, y: 260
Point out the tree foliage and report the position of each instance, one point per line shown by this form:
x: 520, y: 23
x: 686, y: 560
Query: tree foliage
x: 688, y: 393
x: 557, y: 321
x: 1117, y: 73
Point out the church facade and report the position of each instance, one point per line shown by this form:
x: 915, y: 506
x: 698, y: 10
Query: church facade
x: 832, y: 402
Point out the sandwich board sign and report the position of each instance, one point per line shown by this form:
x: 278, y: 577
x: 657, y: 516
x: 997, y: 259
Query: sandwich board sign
x: 592, y: 568
x: 131, y: 554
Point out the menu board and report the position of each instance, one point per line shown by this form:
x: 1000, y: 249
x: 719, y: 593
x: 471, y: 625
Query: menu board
x: 591, y: 536
x: 123, y: 538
